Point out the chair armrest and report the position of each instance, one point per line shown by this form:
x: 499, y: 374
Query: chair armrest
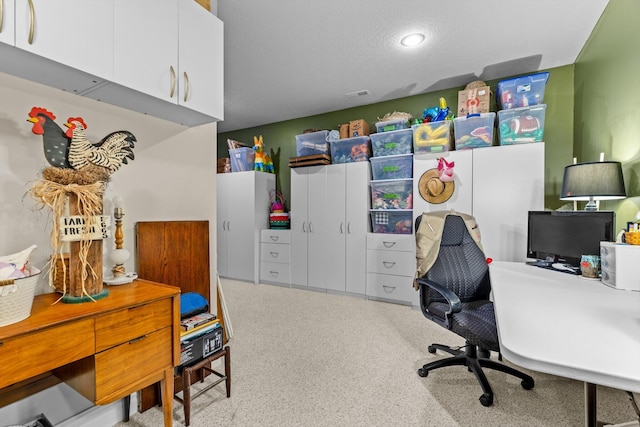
x: 455, y: 305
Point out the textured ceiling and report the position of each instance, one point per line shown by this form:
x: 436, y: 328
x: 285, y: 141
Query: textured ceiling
x: 286, y: 59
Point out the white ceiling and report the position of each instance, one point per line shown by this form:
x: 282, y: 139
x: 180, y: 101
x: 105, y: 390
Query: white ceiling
x: 286, y: 59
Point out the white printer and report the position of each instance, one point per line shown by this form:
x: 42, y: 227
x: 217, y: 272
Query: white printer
x: 620, y: 265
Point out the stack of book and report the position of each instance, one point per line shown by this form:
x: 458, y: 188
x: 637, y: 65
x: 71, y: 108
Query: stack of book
x: 197, y: 325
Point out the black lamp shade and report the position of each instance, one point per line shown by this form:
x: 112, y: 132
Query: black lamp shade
x: 593, y: 181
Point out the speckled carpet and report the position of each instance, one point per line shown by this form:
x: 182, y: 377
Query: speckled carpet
x: 307, y: 358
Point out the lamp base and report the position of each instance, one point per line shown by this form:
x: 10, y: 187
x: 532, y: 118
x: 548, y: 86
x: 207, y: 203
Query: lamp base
x: 591, y: 206
x: 122, y: 280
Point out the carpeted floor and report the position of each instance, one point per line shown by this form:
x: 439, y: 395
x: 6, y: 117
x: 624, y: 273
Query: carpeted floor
x: 306, y: 358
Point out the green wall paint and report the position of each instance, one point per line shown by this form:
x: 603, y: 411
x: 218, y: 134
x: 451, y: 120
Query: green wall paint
x: 280, y: 137
x: 607, y: 111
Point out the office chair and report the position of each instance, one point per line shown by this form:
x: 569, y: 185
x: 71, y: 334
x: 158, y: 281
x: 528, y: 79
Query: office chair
x: 454, y: 293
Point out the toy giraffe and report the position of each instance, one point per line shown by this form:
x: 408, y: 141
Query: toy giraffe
x: 258, y: 147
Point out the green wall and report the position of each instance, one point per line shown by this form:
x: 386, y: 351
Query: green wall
x: 607, y: 110
x: 280, y: 137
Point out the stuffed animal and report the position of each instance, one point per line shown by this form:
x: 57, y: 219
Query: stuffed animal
x: 445, y: 170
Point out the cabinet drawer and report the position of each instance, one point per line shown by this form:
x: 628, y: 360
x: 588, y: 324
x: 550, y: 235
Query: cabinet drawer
x: 396, y: 288
x: 272, y: 252
x: 124, y: 325
x: 391, y: 262
x: 274, y: 272
x: 28, y: 355
x: 396, y: 242
x: 275, y: 236
x: 120, y: 367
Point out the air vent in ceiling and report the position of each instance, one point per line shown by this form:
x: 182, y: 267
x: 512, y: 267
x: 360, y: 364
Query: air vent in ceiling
x: 357, y: 93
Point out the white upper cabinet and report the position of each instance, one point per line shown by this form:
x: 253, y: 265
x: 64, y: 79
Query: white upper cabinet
x: 170, y: 50
x: 76, y: 33
x: 7, y: 20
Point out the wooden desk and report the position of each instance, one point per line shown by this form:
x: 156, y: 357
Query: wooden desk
x: 104, y: 350
x: 565, y: 325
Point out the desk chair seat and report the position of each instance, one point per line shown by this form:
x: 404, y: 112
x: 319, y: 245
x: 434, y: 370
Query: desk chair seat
x: 454, y: 293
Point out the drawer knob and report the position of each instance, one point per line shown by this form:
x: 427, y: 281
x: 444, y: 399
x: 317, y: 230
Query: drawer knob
x: 388, y: 289
x: 274, y: 254
x: 274, y: 274
x: 388, y: 244
x: 274, y: 238
x: 388, y: 264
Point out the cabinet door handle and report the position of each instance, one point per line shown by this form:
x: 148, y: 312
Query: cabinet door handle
x: 187, y: 85
x: 349, y: 228
x: 274, y: 254
x: 224, y: 225
x: 310, y: 228
x: 388, y: 244
x: 173, y: 81
x: 304, y: 227
x: 388, y: 289
x: 135, y: 340
x: 274, y: 238
x: 228, y: 225
x: 32, y: 21
x: 388, y: 264
x: 341, y: 232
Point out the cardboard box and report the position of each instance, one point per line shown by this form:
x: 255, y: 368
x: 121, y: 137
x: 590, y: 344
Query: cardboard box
x: 195, y: 349
x: 473, y: 101
x: 358, y: 128
x: 344, y: 131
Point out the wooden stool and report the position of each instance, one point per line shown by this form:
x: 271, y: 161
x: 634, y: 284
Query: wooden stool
x: 201, y: 366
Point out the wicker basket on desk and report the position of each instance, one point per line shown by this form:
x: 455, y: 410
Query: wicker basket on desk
x: 632, y: 237
x: 16, y: 297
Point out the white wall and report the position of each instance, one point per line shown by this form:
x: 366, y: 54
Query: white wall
x: 172, y: 177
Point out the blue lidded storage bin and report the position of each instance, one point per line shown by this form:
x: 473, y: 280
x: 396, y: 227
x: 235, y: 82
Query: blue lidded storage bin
x: 524, y: 91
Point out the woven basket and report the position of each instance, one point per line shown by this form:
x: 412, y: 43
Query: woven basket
x: 632, y: 237
x: 16, y: 298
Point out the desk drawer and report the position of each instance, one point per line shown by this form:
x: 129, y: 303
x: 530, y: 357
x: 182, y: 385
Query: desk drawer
x: 271, y: 252
x: 391, y: 262
x: 396, y: 288
x: 274, y: 272
x: 120, y: 367
x: 124, y: 325
x: 31, y: 354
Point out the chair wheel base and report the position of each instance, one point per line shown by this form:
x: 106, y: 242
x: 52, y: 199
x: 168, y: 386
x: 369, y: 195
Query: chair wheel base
x: 423, y: 372
x: 431, y: 349
x: 486, y: 399
x: 527, y: 385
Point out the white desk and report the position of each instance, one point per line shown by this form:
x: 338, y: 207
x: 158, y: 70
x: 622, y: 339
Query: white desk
x: 565, y: 325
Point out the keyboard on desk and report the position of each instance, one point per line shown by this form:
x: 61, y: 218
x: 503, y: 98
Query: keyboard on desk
x: 556, y: 266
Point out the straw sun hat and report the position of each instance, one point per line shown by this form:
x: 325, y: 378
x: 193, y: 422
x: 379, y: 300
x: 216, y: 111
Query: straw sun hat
x: 432, y: 189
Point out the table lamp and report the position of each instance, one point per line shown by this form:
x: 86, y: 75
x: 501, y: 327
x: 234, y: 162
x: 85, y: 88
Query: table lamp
x: 593, y: 181
x: 119, y: 255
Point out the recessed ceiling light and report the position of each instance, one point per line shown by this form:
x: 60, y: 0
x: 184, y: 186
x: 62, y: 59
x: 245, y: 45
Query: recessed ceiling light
x: 412, y: 39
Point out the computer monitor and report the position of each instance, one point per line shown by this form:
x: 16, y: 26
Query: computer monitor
x: 564, y: 236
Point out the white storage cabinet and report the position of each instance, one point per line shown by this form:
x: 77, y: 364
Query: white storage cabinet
x: 275, y: 257
x: 242, y: 212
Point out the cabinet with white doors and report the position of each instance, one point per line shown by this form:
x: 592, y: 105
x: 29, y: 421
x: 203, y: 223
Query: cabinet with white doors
x: 275, y: 257
x: 144, y: 55
x: 391, y: 265
x: 347, y: 226
x: 498, y: 186
x: 329, y: 223
x: 47, y: 41
x: 242, y: 212
x: 163, y: 57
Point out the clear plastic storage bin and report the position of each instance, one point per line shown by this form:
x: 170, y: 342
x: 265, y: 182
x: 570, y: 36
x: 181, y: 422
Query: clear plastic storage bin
x: 392, y: 222
x: 392, y: 167
x: 474, y: 131
x: 432, y: 137
x: 312, y: 143
x: 521, y: 125
x: 349, y: 150
x: 241, y: 159
x: 391, y: 125
x: 392, y: 143
x: 392, y: 194
x: 524, y: 91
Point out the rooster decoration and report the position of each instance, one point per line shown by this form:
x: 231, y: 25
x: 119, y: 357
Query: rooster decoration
x: 71, y: 149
